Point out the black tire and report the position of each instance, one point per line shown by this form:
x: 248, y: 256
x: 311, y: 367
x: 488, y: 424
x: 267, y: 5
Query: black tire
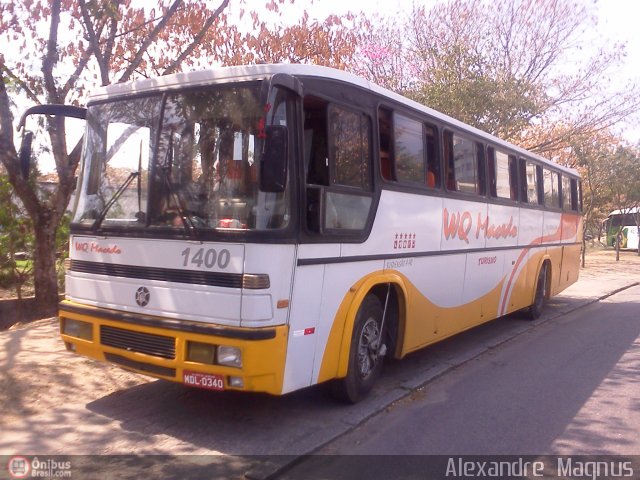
x: 365, y: 364
x: 541, y: 296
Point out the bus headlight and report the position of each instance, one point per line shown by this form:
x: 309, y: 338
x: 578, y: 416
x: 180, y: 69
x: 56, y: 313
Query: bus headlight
x: 229, y: 356
x: 77, y: 329
x: 201, y: 352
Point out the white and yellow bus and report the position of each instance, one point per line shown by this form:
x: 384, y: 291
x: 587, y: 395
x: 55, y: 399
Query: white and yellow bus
x: 621, y: 226
x: 267, y: 228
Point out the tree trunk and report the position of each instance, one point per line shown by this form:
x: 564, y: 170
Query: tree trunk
x: 44, y: 269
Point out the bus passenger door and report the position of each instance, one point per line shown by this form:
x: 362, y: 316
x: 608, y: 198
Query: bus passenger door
x: 338, y: 197
x: 304, y: 318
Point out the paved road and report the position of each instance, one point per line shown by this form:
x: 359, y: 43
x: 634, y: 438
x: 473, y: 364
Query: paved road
x: 569, y: 386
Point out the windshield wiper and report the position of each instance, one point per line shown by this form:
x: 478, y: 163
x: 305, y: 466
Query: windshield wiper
x: 189, y: 227
x: 188, y: 224
x: 113, y: 200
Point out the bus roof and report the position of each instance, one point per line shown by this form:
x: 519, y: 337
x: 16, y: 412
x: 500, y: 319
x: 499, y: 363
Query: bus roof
x: 259, y: 72
x: 626, y: 211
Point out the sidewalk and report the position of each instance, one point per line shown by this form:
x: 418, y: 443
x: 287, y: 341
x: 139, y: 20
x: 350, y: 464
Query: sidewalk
x: 58, y: 403
x: 603, y: 276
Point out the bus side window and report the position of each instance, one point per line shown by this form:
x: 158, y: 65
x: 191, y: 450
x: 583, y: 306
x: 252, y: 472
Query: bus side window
x: 384, y: 134
x: 567, y: 197
x: 503, y: 174
x: 551, y: 189
x: 461, y: 164
x: 513, y: 177
x: 433, y: 161
x: 574, y: 195
x: 349, y: 198
x: 530, y: 183
x: 349, y: 148
x: 316, y: 155
x: 409, y: 150
x: 481, y: 188
x: 449, y: 172
x: 578, y: 196
x: 522, y: 180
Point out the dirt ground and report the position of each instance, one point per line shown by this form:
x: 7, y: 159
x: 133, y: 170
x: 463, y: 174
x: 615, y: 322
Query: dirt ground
x: 5, y: 293
x: 37, y: 374
x: 601, y: 261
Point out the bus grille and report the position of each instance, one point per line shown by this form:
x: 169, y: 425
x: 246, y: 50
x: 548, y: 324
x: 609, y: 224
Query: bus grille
x: 144, y: 367
x: 155, y: 345
x: 213, y: 279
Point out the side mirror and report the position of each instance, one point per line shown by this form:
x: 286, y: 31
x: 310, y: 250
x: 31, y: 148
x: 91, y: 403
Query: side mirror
x: 27, y: 138
x: 25, y: 153
x: 273, y: 165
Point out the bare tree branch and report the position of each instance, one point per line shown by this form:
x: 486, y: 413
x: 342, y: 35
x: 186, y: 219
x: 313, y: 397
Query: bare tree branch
x: 197, y: 39
x: 137, y: 59
x: 6, y: 117
x: 138, y: 27
x: 111, y: 37
x: 94, y: 42
x: 21, y: 83
x: 10, y: 157
x: 51, y: 56
x: 71, y: 81
x: 94, y: 49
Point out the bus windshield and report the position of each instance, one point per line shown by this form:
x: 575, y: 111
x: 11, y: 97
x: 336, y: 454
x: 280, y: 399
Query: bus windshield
x: 186, y: 160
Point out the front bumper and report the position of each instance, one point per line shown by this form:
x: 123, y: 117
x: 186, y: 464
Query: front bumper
x: 157, y: 347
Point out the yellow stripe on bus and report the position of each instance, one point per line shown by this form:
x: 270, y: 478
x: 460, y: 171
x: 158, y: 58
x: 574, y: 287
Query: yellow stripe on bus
x: 422, y: 322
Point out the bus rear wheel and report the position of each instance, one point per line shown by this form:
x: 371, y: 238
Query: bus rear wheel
x: 541, y: 296
x: 365, y: 353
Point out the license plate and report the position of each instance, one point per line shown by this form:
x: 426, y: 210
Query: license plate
x: 209, y: 381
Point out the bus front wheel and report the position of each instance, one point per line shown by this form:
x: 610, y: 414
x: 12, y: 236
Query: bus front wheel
x: 541, y: 296
x: 365, y: 354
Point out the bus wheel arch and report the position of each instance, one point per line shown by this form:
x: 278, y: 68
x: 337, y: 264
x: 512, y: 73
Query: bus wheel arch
x: 542, y: 290
x: 367, y: 317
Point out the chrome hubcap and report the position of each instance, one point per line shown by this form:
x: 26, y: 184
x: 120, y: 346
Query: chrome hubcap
x: 368, y: 347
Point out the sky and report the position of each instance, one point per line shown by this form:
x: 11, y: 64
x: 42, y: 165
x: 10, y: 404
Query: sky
x: 617, y: 22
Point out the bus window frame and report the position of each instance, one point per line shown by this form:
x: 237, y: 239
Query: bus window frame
x: 333, y: 175
x: 524, y: 162
x: 580, y: 200
x: 513, y: 167
x: 566, y: 207
x: 426, y: 122
x: 480, y: 164
x: 551, y: 207
x: 321, y: 91
x: 394, y: 139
